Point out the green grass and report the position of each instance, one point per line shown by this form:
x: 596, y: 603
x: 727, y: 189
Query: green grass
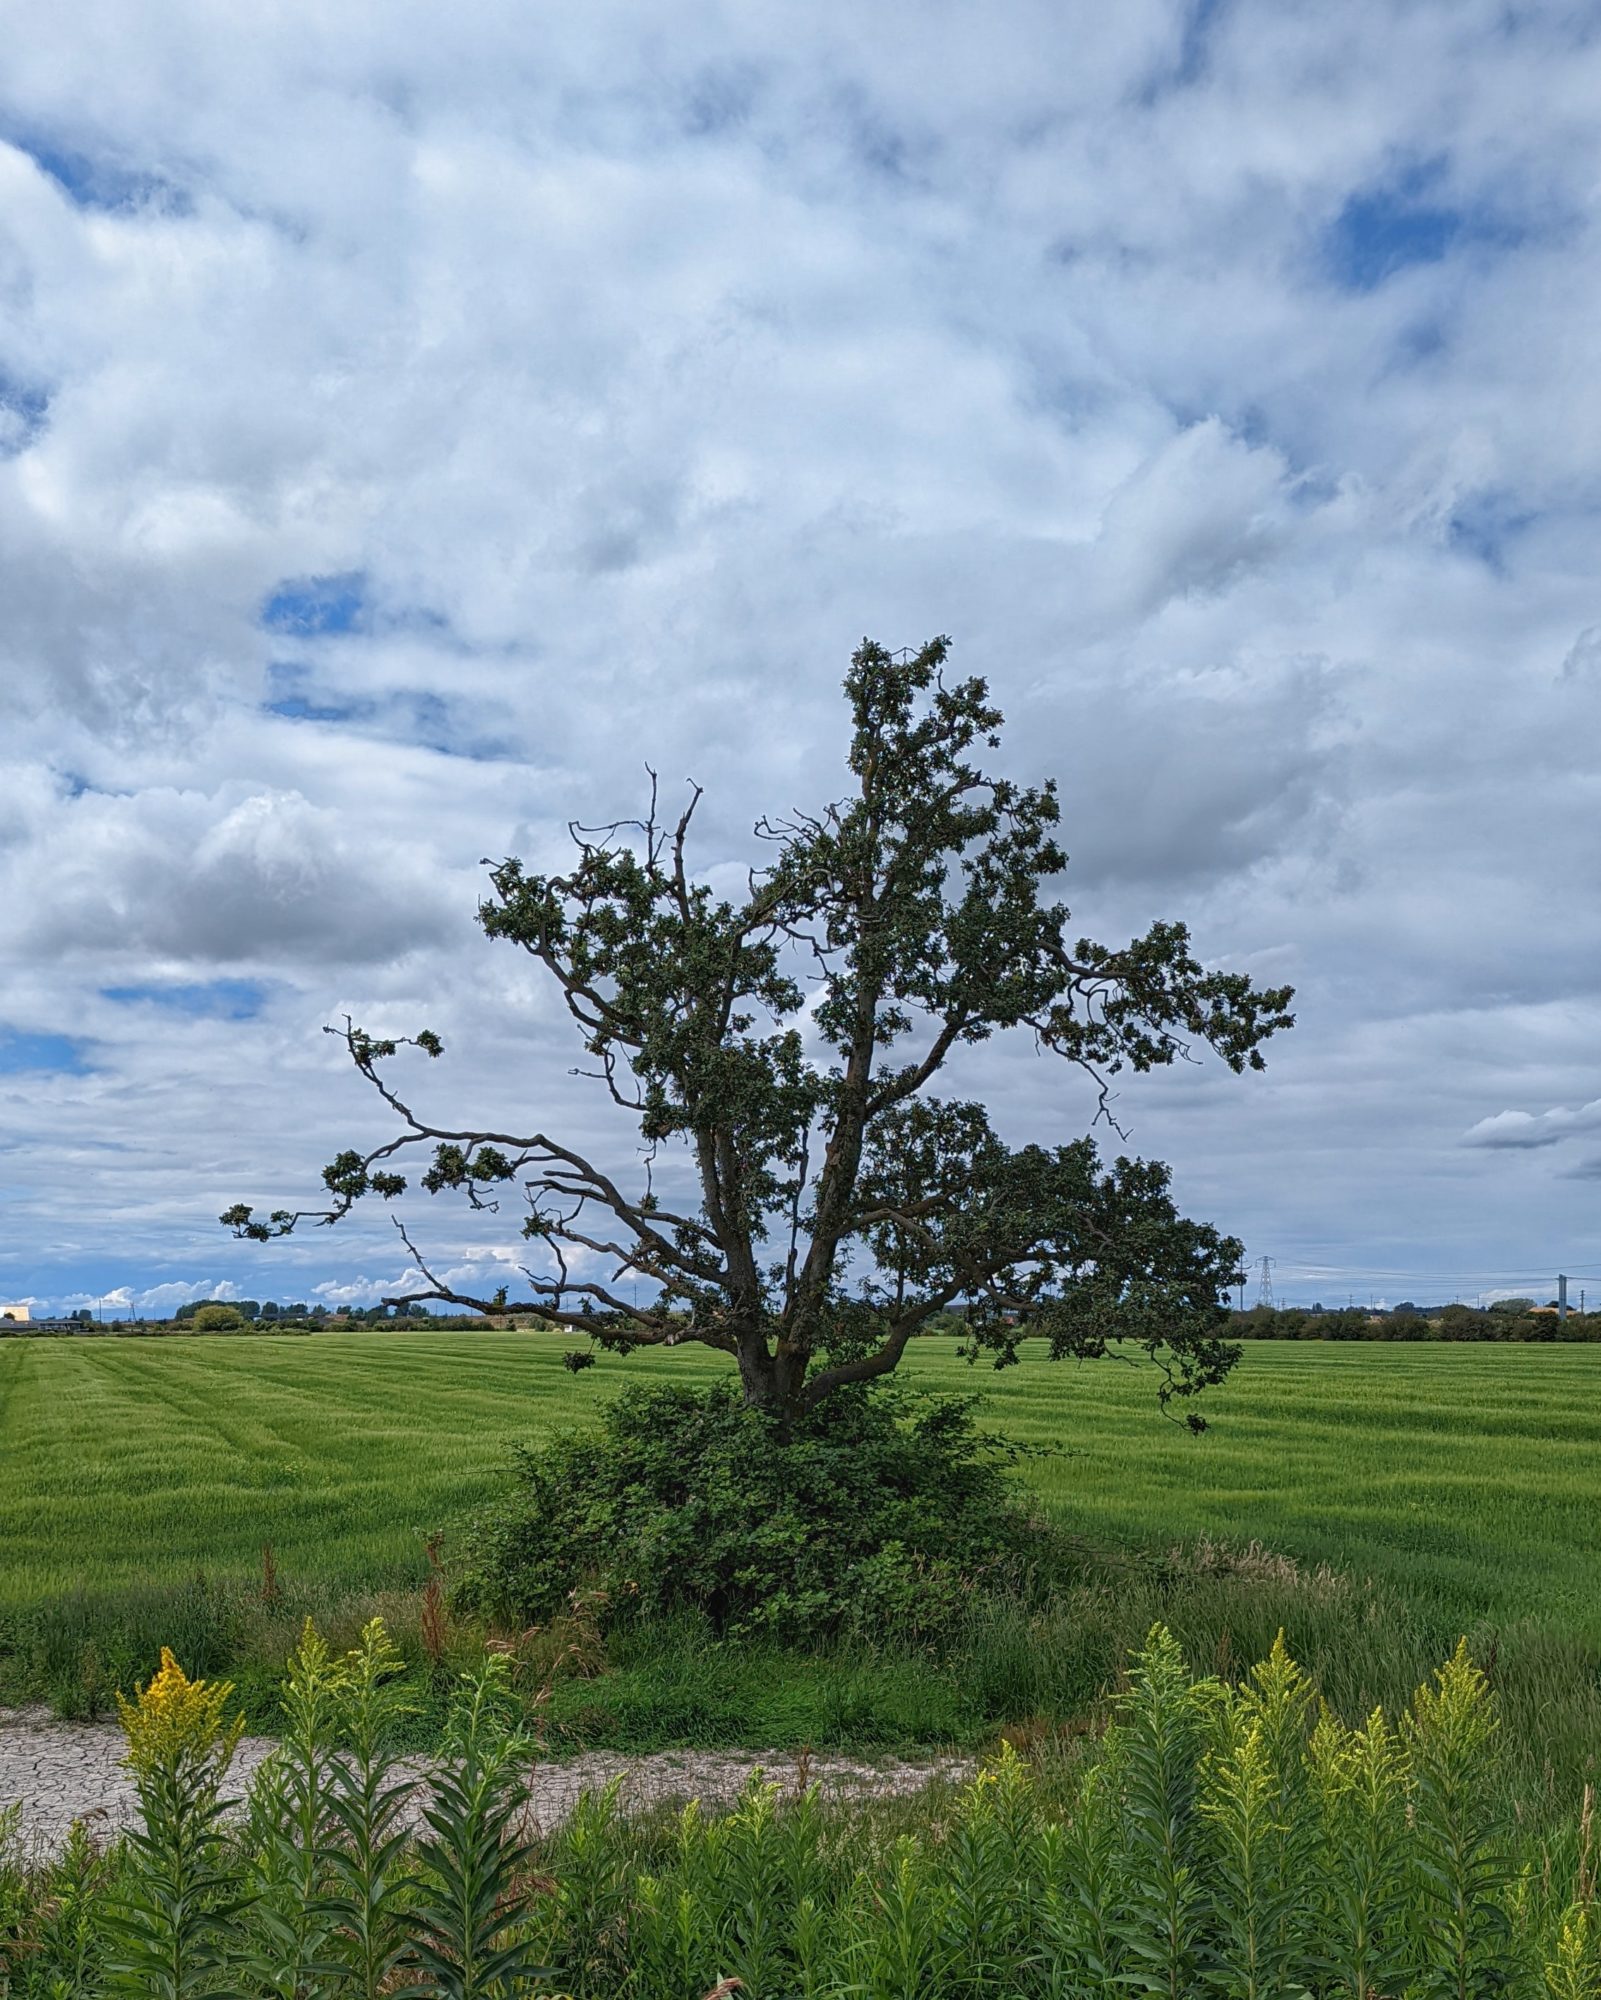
x: 1464, y: 1474
x: 1448, y: 1490
x: 1468, y: 1475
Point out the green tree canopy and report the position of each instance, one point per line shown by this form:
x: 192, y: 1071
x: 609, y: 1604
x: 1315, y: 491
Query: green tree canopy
x: 217, y: 1319
x: 784, y: 1046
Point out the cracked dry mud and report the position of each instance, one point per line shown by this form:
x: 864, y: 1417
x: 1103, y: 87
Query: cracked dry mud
x: 62, y: 1771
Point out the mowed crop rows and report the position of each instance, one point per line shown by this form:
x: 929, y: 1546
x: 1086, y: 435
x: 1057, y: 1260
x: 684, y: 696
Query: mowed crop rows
x: 1466, y: 1474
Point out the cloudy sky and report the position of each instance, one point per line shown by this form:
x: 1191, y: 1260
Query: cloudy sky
x: 413, y: 421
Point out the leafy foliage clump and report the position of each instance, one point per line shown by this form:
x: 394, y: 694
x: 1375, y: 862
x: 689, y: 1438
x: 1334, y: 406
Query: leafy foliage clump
x: 1234, y: 1838
x: 819, y: 1204
x: 875, y: 1512
x: 217, y: 1319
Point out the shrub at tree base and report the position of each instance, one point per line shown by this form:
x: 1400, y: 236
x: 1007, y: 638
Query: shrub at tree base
x: 877, y: 1512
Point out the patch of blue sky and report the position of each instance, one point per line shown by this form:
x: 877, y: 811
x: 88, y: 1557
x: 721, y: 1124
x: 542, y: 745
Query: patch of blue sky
x: 1199, y: 19
x: 315, y: 607
x: 1422, y: 341
x: 291, y: 695
x: 879, y: 151
x: 23, y: 1049
x: 1183, y: 62
x: 1404, y: 223
x: 297, y: 708
x: 415, y: 618
x: 407, y: 715
x: 24, y: 407
x: 437, y: 724
x: 207, y: 999
x: 721, y: 99
x: 1487, y: 524
x: 95, y: 181
x: 432, y: 721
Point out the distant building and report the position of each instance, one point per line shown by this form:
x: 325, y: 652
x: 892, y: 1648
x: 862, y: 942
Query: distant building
x: 19, y: 1314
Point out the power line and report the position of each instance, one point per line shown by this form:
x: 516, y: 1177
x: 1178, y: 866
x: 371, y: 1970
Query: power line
x: 1436, y: 1276
x: 1449, y: 1282
x: 1329, y: 1257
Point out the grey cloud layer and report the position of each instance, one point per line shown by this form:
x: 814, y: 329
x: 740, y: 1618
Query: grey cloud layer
x: 630, y: 377
x: 243, y: 877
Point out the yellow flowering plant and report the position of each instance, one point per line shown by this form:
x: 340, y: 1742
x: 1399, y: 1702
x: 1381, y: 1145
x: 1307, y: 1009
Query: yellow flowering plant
x: 174, y: 1722
x: 172, y: 1926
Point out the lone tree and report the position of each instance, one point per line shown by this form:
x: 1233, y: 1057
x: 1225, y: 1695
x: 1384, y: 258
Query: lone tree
x: 788, y: 1042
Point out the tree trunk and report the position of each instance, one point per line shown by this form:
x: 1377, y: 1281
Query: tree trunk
x: 766, y: 1381
x: 756, y: 1371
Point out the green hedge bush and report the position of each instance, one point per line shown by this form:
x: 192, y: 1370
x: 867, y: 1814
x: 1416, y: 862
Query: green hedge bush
x: 881, y: 1513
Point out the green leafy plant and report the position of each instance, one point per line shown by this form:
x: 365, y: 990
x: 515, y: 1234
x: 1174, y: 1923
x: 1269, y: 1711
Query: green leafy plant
x: 899, y: 1946
x: 290, y: 1919
x: 217, y: 1319
x: 1360, y: 1780
x: 1214, y: 1841
x: 666, y: 1938
x: 174, y: 1926
x: 751, y: 1921
x: 1573, y: 1970
x: 1255, y: 1798
x: 367, y: 1799
x: 1082, y: 1864
x: 881, y: 1514
x: 474, y: 1871
x: 591, y: 1896
x: 1161, y: 1725
x: 15, y: 1903
x: 991, y: 1886
x: 70, y: 1937
x: 1458, y: 1847
x: 1250, y: 1895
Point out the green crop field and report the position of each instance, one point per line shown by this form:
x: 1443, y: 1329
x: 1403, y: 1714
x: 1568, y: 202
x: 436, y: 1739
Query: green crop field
x: 1467, y: 1475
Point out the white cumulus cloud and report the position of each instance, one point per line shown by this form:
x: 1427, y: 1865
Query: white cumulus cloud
x: 409, y: 429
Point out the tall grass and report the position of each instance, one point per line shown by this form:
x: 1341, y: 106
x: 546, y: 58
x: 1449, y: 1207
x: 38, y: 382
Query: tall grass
x: 1045, y: 1675
x: 1462, y: 1475
x: 1226, y: 1837
x: 1041, y: 1676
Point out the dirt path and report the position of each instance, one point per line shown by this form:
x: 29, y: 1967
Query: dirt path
x: 62, y: 1771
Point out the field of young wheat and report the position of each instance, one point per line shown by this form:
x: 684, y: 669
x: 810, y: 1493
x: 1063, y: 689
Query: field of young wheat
x: 1377, y: 1503
x: 1461, y: 1476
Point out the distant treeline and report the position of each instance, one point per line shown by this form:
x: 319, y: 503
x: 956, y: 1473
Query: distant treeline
x: 1506, y: 1319
x: 237, y: 1316
x: 251, y: 1309
x: 263, y: 1313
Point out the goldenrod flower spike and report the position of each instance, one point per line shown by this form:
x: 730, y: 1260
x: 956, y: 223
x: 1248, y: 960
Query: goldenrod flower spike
x: 174, y: 1720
